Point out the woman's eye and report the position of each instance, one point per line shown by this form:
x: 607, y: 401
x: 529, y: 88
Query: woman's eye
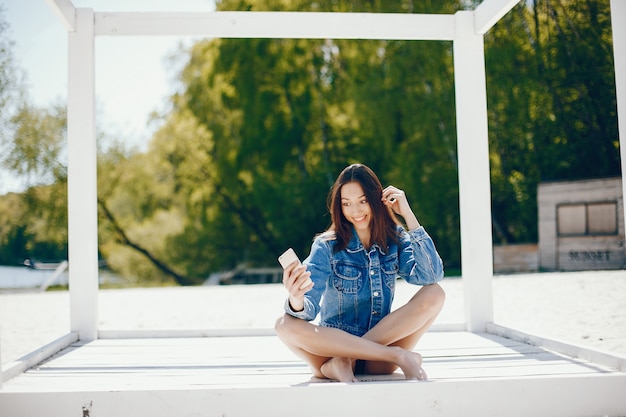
x: 363, y: 201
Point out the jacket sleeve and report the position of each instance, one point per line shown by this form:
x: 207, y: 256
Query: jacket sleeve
x: 419, y: 262
x: 318, y: 263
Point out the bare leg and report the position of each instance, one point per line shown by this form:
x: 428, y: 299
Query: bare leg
x: 331, y: 352
x: 315, y: 362
x: 406, y: 325
x: 317, y: 345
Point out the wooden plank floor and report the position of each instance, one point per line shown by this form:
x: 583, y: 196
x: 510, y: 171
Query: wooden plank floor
x: 248, y: 361
x: 469, y: 374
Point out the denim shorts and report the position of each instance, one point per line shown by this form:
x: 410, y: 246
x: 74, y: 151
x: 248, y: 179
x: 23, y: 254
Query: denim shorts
x: 359, y: 367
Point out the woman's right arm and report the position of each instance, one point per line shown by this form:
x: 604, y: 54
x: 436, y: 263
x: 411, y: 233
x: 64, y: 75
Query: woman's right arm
x: 296, y: 280
x: 305, y: 304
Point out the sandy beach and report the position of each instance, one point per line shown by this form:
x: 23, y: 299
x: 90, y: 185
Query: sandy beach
x: 584, y: 308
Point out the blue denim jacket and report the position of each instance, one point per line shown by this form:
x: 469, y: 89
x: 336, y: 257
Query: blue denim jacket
x: 354, y: 288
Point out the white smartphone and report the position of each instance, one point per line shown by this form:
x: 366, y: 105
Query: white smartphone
x: 287, y: 258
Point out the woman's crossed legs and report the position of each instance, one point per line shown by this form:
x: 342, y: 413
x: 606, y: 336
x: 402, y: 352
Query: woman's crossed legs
x: 332, y: 353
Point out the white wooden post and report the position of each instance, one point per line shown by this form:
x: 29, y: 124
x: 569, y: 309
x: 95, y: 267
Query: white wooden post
x: 618, y: 23
x: 82, y: 178
x: 474, y: 179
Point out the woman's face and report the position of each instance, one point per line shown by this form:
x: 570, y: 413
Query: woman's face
x: 355, y: 207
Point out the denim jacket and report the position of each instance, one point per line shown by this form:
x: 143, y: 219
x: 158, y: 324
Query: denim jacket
x: 354, y: 288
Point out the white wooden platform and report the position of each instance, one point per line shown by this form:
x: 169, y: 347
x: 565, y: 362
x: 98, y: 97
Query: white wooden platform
x: 469, y: 374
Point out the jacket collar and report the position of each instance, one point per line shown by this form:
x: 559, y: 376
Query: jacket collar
x: 355, y: 244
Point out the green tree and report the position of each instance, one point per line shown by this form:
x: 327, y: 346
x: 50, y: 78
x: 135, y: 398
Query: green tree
x: 259, y: 129
x: 37, y: 145
x: 283, y: 117
x: 10, y: 81
x: 138, y: 213
x: 573, y: 49
x: 33, y: 223
x: 552, y: 107
x: 36, y: 153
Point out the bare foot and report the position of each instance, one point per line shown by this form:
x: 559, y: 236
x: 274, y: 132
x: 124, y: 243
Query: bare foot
x: 411, y: 365
x: 340, y: 369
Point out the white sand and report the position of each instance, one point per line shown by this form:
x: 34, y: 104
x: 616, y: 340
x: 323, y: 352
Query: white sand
x: 585, y: 308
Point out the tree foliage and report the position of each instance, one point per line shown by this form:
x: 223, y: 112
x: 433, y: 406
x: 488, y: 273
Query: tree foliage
x: 10, y: 84
x: 552, y: 105
x: 242, y: 164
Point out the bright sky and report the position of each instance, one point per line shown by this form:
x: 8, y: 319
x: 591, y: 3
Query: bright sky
x: 132, y: 74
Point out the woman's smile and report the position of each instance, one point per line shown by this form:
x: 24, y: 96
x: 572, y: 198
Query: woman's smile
x: 360, y: 222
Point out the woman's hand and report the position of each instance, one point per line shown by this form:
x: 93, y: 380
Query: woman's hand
x: 395, y: 199
x: 298, y: 281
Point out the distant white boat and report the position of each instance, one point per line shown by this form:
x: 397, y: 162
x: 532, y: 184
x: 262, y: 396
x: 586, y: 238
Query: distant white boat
x: 33, y: 264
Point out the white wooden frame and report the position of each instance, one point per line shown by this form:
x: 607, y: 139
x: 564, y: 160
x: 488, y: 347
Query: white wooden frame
x: 465, y: 29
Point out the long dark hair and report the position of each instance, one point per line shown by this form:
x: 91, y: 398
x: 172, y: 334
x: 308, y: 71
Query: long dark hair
x: 383, y: 226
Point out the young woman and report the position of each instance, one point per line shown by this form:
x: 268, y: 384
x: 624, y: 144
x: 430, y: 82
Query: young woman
x: 349, y: 278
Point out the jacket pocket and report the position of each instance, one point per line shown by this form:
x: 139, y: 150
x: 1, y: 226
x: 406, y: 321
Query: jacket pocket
x: 346, y: 278
x: 390, y: 268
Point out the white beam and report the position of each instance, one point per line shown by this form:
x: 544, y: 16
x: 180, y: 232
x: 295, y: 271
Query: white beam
x: 304, y: 25
x: 474, y: 178
x: 618, y: 22
x: 594, y: 394
x: 65, y: 11
x: 489, y: 12
x: 82, y: 178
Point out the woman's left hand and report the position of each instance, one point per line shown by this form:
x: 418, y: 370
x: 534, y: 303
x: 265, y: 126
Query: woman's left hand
x: 395, y: 199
